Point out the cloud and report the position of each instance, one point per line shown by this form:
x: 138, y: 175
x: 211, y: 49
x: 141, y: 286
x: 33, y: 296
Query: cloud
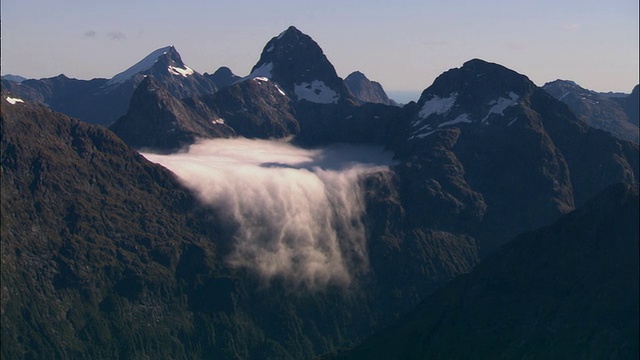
x: 571, y: 27
x: 296, y: 214
x: 90, y: 33
x: 116, y: 35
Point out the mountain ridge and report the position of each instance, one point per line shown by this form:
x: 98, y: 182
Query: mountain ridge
x: 533, y: 294
x: 597, y: 110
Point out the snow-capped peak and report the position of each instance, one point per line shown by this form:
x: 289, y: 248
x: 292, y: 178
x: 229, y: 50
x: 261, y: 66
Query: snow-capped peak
x: 140, y: 66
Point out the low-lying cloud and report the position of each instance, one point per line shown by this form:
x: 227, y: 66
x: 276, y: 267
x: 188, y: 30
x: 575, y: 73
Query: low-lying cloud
x: 297, y: 213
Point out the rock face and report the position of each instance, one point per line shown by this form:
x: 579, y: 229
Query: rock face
x: 483, y: 139
x: 597, y: 110
x: 157, y: 120
x: 567, y: 290
x: 255, y: 108
x: 295, y: 62
x: 631, y: 105
x: 365, y: 90
x: 102, y: 101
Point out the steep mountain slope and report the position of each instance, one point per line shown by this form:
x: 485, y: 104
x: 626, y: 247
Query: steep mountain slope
x: 631, y: 105
x: 365, y: 90
x: 295, y: 62
x: 94, y: 238
x: 494, y: 154
x: 102, y: 101
x: 255, y: 108
x: 598, y: 111
x: 569, y: 290
x: 105, y: 255
x: 157, y: 120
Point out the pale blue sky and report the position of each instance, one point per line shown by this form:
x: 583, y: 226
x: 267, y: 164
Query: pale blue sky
x: 403, y: 44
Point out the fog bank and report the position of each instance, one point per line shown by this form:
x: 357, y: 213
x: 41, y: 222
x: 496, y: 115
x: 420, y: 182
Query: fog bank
x: 297, y: 212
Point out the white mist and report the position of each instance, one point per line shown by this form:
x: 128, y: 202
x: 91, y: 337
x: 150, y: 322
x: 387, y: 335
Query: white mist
x: 298, y: 211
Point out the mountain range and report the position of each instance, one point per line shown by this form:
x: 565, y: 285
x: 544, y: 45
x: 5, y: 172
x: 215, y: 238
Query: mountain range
x: 108, y: 255
x: 102, y: 101
x: 617, y: 115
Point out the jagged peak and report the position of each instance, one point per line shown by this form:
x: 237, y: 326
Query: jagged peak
x: 291, y: 31
x: 147, y: 63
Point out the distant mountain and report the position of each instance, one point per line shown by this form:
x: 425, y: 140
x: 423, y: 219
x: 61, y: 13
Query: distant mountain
x: 298, y: 65
x: 223, y: 77
x: 569, y: 290
x: 167, y: 67
x: 260, y: 106
x: 102, y: 101
x: 158, y: 120
x: 365, y: 90
x: 631, y: 105
x: 599, y: 111
x: 14, y: 78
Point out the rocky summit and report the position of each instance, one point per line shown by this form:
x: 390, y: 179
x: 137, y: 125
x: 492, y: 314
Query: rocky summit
x: 295, y: 62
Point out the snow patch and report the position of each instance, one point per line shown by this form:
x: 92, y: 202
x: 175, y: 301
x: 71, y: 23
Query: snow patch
x: 421, y: 136
x: 264, y: 79
x: 264, y: 71
x: 13, y: 101
x: 501, y: 104
x: 140, y: 66
x: 437, y: 105
x: 180, y: 71
x: 464, y: 118
x: 280, y: 90
x: 316, y: 92
x: 219, y: 121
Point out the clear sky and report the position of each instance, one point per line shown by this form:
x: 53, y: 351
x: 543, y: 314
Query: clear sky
x: 403, y: 44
